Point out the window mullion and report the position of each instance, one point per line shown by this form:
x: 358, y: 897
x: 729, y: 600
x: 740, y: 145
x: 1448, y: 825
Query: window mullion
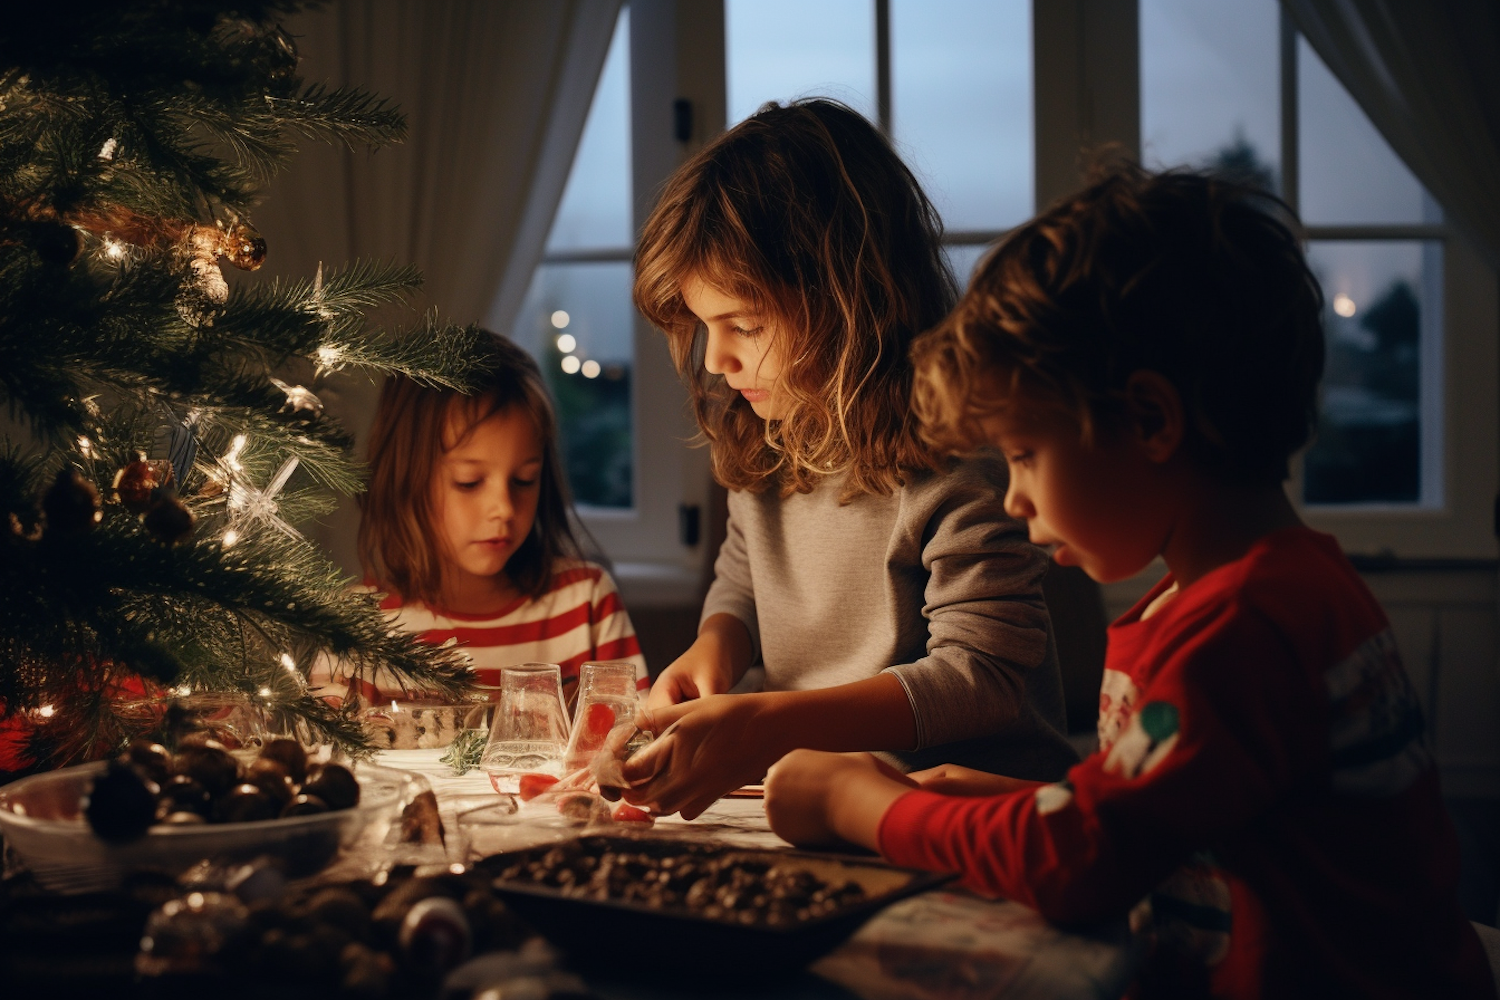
x: 1290, y: 154
x: 883, y: 66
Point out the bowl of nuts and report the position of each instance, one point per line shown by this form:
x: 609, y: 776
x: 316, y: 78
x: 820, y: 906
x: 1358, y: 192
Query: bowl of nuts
x: 610, y: 901
x: 85, y: 828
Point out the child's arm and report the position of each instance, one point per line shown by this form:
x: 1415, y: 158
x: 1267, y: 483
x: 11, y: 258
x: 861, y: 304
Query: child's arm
x: 818, y: 799
x: 713, y: 664
x: 950, y: 779
x: 713, y: 745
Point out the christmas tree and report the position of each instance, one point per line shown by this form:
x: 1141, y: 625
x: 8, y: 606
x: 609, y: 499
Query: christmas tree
x: 166, y: 430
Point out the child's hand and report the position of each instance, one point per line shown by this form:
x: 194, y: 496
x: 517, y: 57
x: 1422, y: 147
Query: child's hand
x: 711, y: 665
x: 818, y: 799
x: 950, y: 779
x: 703, y: 749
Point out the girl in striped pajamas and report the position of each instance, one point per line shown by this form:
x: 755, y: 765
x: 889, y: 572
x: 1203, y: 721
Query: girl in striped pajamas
x: 466, y: 534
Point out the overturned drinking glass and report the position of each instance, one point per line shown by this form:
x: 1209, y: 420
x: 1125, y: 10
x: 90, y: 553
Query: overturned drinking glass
x: 529, y: 730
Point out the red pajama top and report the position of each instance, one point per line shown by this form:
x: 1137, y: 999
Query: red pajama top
x: 1263, y: 803
x: 579, y: 618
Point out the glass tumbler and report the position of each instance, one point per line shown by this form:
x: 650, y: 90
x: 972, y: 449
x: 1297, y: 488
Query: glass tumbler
x: 529, y: 730
x: 606, y: 700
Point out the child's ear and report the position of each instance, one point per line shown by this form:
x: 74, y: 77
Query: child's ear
x: 1155, y: 413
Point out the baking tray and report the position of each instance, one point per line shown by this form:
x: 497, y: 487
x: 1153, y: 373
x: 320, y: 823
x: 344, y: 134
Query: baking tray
x: 634, y: 939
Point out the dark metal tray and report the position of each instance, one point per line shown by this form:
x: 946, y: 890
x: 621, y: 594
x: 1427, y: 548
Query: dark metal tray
x: 632, y: 939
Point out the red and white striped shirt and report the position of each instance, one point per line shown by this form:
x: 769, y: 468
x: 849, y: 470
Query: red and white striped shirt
x: 579, y: 618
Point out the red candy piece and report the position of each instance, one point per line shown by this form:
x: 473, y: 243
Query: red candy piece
x: 626, y: 813
x: 533, y: 785
x: 599, y: 720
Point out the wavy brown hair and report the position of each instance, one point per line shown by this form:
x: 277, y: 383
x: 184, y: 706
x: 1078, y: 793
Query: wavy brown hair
x: 400, y: 548
x: 807, y: 212
x: 1196, y: 277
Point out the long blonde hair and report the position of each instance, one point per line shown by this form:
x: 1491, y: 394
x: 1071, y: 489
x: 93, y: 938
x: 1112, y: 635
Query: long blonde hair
x: 808, y: 213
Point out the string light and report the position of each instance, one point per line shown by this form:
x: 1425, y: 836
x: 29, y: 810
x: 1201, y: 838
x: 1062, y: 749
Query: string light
x: 566, y: 343
x: 230, y: 538
x: 590, y: 369
x: 571, y: 364
x: 1344, y: 305
x: 85, y: 446
x: 289, y: 663
x: 231, y: 457
x: 561, y: 319
x: 46, y: 711
x: 113, y: 248
x: 108, y: 150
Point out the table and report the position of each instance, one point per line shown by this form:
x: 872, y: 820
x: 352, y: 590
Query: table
x: 940, y: 945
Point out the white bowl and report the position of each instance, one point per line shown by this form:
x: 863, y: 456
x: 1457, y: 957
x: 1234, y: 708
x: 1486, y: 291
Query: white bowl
x: 42, y: 821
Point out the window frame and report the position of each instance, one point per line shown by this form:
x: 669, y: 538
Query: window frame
x: 1459, y: 522
x: 1086, y: 91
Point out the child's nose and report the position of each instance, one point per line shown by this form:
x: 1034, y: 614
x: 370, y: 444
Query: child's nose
x: 718, y: 358
x: 1017, y: 503
x: 501, y: 505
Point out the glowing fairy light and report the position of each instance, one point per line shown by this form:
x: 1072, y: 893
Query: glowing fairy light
x: 566, y: 343
x: 108, y: 150
x: 46, y: 711
x: 85, y: 446
x: 590, y: 369
x: 230, y: 538
x: 289, y: 663
x: 560, y: 320
x: 1344, y: 305
x: 114, y: 249
x: 571, y: 364
x: 231, y: 457
x: 265, y: 692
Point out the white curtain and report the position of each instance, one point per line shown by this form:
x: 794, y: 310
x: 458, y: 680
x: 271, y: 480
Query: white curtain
x: 1427, y: 73
x: 495, y: 93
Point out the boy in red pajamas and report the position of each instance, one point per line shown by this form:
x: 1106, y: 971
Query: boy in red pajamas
x: 1146, y: 356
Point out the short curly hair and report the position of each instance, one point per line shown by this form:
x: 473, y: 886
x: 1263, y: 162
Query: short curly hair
x: 1195, y: 277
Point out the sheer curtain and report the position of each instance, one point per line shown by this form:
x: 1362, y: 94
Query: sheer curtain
x: 1427, y: 73
x: 495, y: 94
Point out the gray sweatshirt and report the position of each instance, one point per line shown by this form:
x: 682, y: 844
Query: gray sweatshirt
x: 935, y: 584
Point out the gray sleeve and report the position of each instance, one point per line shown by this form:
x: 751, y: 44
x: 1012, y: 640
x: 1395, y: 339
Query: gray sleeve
x: 988, y: 629
x: 733, y: 589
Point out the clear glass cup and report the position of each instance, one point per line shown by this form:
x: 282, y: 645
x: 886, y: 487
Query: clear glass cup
x: 529, y: 730
x: 607, y: 700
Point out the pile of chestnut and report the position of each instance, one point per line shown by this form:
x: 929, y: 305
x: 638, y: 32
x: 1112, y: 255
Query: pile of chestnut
x: 203, y: 783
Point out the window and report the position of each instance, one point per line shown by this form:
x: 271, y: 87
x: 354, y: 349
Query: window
x: 950, y: 80
x: 1232, y: 87
x: 989, y: 102
x: 577, y: 317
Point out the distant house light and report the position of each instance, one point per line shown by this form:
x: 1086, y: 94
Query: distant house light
x: 1344, y: 305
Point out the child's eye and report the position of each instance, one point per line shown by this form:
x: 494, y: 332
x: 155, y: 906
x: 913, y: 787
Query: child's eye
x: 747, y: 332
x: 1019, y: 458
x: 467, y: 485
x: 524, y: 483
